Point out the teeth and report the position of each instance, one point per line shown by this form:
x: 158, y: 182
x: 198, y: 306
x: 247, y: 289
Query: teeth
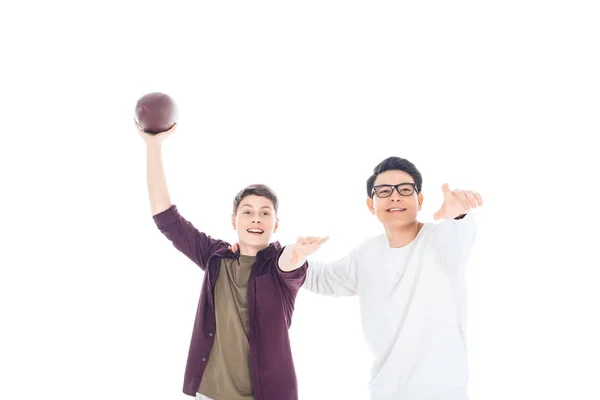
x: 397, y: 209
x: 255, y: 230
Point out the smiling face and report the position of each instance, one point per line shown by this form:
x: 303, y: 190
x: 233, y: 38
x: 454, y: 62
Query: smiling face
x: 255, y: 222
x: 395, y: 209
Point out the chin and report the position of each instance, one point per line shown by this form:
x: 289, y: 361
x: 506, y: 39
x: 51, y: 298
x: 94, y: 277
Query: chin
x: 257, y: 241
x: 397, y: 221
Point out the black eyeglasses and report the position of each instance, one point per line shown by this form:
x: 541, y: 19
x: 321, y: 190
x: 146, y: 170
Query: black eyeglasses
x: 404, y: 189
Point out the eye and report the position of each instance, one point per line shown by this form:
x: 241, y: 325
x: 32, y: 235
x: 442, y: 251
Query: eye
x: 266, y: 213
x: 246, y: 212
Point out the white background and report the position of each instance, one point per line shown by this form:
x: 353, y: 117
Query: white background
x: 307, y: 97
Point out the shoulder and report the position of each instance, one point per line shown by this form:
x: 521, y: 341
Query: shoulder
x: 370, y: 245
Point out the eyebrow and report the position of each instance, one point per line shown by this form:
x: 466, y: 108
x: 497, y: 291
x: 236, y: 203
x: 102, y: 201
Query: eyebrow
x: 248, y: 205
x: 390, y: 184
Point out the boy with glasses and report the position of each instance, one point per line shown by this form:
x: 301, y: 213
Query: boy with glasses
x: 411, y: 285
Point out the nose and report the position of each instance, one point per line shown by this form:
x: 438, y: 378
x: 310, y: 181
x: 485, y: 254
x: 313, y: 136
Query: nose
x: 256, y: 220
x: 396, y: 195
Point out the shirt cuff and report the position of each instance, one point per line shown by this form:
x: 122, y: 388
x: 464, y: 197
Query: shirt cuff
x: 167, y: 217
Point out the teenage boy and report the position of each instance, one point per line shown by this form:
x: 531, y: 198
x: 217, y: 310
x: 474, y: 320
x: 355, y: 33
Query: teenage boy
x: 240, y: 348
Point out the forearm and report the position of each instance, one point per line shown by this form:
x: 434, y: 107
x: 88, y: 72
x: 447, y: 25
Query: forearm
x: 454, y: 240
x: 332, y: 279
x: 158, y: 191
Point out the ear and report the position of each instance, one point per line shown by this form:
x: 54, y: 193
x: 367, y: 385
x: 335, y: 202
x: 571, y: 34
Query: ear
x: 370, y: 205
x: 420, y: 199
x: 276, y: 225
x: 233, y: 222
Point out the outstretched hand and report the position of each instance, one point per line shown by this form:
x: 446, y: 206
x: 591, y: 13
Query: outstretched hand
x: 304, y: 247
x: 294, y: 255
x: 457, y: 202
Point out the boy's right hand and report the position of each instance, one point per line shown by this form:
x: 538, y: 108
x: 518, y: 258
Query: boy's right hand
x: 156, y: 139
x: 297, y: 252
x: 304, y: 247
x: 294, y: 256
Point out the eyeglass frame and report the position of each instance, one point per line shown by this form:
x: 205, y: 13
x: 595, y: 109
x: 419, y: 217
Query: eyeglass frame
x: 414, y: 185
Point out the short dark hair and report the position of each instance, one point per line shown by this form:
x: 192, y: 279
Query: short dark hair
x: 395, y: 163
x: 255, y: 190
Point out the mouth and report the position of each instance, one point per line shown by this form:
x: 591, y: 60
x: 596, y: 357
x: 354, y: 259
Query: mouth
x: 396, y: 210
x: 255, y: 231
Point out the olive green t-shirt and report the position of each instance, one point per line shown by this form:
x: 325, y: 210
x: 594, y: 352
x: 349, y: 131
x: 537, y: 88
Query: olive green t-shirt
x: 227, y: 373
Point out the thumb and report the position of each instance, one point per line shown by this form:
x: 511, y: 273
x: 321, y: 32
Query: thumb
x: 438, y: 215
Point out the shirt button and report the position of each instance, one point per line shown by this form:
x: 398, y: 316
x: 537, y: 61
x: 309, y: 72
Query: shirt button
x: 210, y: 334
x: 203, y: 359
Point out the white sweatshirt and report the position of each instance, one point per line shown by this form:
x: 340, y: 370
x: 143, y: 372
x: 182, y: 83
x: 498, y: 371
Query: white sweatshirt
x: 413, y: 309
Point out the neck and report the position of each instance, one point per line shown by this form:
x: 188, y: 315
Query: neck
x: 401, y: 235
x: 249, y: 250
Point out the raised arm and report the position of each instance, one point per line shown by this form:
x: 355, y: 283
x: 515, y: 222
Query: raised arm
x: 158, y: 192
x: 196, y: 245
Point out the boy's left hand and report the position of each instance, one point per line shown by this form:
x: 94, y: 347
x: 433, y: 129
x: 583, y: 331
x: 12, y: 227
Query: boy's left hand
x: 457, y: 202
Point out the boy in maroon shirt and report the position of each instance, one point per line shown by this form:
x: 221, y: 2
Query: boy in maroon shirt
x: 240, y: 348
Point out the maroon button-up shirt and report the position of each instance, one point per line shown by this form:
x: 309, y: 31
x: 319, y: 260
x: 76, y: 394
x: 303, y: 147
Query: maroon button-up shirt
x: 271, y: 296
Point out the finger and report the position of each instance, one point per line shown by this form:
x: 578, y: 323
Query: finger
x: 462, y: 197
x: 446, y: 189
x: 471, y: 198
x: 317, y: 240
x: 478, y: 198
x: 314, y: 240
x: 168, y: 132
x: 317, y: 243
x: 171, y: 129
x: 320, y: 240
x: 438, y: 215
x: 137, y: 126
